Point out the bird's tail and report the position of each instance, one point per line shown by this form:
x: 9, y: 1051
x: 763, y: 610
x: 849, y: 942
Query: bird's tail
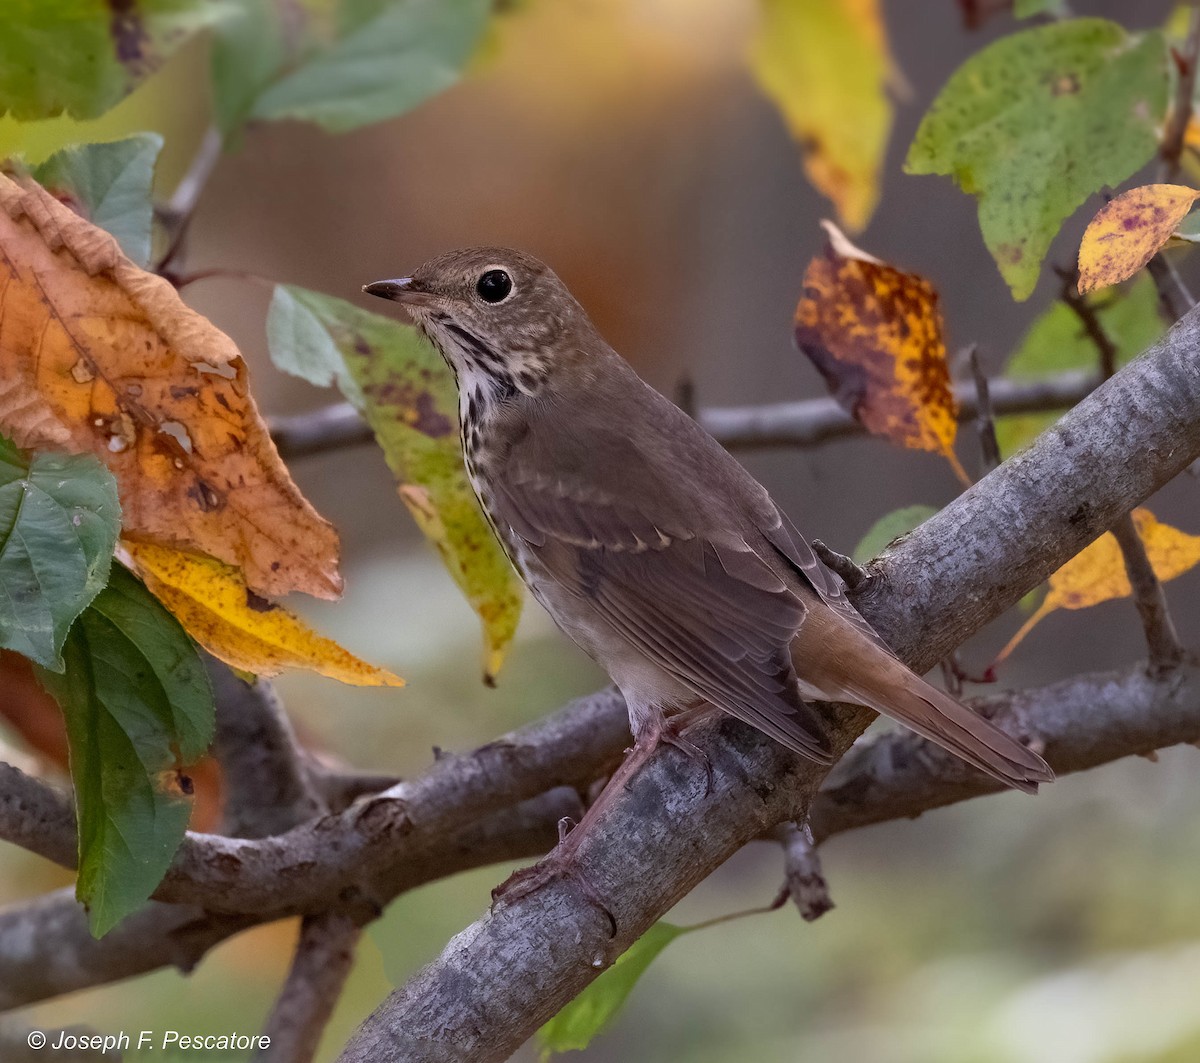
x: 863, y: 673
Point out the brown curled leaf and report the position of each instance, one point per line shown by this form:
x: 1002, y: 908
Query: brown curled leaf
x: 100, y: 356
x: 875, y: 335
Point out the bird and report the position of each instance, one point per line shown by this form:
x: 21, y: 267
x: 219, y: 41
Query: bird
x: 649, y: 544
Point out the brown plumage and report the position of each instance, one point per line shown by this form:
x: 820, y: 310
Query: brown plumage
x: 646, y: 541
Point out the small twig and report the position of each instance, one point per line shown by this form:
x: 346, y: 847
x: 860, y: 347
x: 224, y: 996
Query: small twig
x: 1166, y: 652
x: 1105, y: 346
x: 804, y: 880
x: 852, y: 573
x: 341, y: 787
x: 685, y: 396
x: 320, y: 967
x: 1148, y: 594
x: 985, y: 420
x: 1173, y: 294
x: 176, y: 214
x: 1175, y: 134
x: 182, y: 280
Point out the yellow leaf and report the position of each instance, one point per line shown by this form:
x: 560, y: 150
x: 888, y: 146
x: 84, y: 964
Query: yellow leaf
x: 875, y: 334
x: 825, y: 64
x: 100, y: 356
x: 1097, y: 573
x: 1128, y: 231
x: 212, y: 601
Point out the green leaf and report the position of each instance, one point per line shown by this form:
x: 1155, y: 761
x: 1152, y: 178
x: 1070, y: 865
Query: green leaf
x: 59, y: 522
x: 111, y: 186
x: 1037, y: 122
x: 83, y: 56
x: 580, y: 1021
x: 407, y: 395
x: 1189, y: 228
x: 1056, y: 342
x: 891, y: 526
x: 248, y: 51
x: 138, y: 706
x: 384, y: 59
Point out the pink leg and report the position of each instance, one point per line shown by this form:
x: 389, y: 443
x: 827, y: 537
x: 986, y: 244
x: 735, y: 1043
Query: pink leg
x: 562, y: 860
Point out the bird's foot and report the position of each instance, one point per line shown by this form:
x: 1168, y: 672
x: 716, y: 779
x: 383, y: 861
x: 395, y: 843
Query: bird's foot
x: 560, y: 863
x: 672, y: 733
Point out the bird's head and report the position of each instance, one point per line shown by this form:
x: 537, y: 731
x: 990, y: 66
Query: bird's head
x: 502, y: 320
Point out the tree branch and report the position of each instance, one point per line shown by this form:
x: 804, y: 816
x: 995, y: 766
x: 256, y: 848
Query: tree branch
x: 1149, y: 597
x: 36, y: 816
x: 267, y: 788
x: 1088, y: 720
x: 47, y: 948
x: 501, y: 978
x: 897, y: 775
x: 804, y: 423
x: 324, y: 956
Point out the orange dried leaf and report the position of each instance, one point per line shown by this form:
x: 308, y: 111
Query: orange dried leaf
x: 875, y: 334
x: 101, y: 356
x: 1097, y: 573
x: 1128, y: 231
x: 219, y: 611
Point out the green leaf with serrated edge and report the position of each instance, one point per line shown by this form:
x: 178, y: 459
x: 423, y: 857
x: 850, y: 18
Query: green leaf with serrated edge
x: 138, y: 706
x: 83, y: 56
x: 407, y: 395
x: 363, y: 62
x: 110, y: 184
x: 583, y: 1018
x: 1036, y: 122
x: 891, y: 526
x: 59, y: 522
x: 1056, y: 342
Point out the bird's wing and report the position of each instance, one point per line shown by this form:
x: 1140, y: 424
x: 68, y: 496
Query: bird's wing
x: 781, y: 533
x: 706, y: 608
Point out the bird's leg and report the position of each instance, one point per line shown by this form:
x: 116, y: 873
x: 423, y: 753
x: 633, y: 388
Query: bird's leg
x: 562, y: 861
x: 672, y: 732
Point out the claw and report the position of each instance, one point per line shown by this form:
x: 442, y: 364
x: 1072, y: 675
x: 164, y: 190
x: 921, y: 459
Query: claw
x: 527, y: 880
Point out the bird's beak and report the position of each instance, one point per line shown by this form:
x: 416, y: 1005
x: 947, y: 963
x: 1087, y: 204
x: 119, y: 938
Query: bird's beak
x: 401, y: 291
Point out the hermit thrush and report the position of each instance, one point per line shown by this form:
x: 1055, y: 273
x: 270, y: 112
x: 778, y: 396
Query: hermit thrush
x: 646, y: 541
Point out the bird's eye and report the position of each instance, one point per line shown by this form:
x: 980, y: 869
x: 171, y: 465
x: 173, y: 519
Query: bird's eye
x: 494, y: 286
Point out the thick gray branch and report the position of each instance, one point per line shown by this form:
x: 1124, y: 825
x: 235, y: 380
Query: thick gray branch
x: 47, y: 949
x: 504, y: 976
x: 36, y: 816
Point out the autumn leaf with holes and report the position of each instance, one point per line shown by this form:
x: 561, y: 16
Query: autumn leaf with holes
x: 1097, y: 574
x: 103, y: 357
x: 1129, y: 231
x: 874, y: 333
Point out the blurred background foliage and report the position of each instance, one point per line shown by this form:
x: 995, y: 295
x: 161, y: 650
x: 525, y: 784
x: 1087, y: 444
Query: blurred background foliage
x: 626, y: 142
